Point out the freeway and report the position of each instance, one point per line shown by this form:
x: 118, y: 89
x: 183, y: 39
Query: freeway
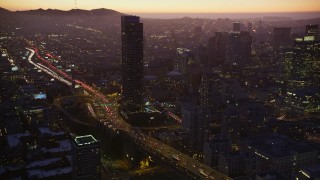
x: 57, y: 102
x: 112, y: 119
x: 45, y: 69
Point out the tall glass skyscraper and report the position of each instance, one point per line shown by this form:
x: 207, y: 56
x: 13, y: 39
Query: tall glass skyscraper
x: 132, y: 62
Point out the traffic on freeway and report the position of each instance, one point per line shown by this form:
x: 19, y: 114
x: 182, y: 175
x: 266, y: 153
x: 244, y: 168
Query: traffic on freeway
x: 112, y: 119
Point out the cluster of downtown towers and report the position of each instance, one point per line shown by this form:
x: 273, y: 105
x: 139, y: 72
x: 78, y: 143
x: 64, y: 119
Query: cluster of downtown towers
x: 132, y: 39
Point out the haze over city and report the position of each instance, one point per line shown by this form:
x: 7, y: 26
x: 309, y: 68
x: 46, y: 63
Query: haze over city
x: 298, y: 9
x: 160, y: 90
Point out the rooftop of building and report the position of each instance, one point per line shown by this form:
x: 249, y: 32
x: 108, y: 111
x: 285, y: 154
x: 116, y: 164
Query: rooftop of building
x: 219, y: 138
x: 231, y: 154
x: 270, y: 175
x: 243, y: 178
x: 174, y: 73
x: 276, y: 145
x: 309, y: 91
x: 85, y: 140
x: 40, y: 173
x: 130, y: 19
x: 311, y: 171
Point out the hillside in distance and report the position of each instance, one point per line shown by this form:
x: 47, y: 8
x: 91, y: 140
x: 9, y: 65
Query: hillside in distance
x: 53, y: 20
x: 72, y: 12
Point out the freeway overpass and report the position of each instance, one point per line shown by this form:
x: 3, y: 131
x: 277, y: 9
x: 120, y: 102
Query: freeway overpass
x: 173, y: 157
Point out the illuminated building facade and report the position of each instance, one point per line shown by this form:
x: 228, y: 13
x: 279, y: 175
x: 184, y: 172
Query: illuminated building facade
x: 312, y: 30
x: 302, y: 61
x: 132, y: 62
x: 301, y: 67
x: 205, y: 90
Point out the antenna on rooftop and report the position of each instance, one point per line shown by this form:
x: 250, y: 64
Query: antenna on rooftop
x: 75, y: 1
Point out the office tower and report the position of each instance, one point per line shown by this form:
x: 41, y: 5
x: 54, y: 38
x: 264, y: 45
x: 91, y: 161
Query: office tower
x: 312, y: 30
x: 210, y: 100
x: 238, y: 50
x: 194, y: 118
x: 192, y: 123
x: 261, y: 32
x: 301, y: 67
x: 236, y: 26
x: 302, y: 61
x: 132, y: 62
x: 205, y: 90
x: 209, y: 91
x: 237, y: 162
x: 202, y: 56
x: 249, y: 26
x: 281, y: 38
x: 217, y: 49
x: 86, y: 157
x: 214, y: 147
x: 197, y: 34
x: 231, y: 163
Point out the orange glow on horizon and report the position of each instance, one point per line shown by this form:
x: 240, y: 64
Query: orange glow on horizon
x: 171, y: 6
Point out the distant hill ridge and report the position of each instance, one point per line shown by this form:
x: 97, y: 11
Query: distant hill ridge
x: 4, y: 11
x: 56, y: 12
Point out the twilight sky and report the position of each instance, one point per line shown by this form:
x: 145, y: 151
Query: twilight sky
x: 170, y: 6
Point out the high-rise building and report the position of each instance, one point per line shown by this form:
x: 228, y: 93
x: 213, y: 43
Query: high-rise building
x: 302, y: 61
x: 301, y: 67
x: 132, y: 62
x: 217, y: 49
x: 281, y: 38
x: 86, y: 157
x: 193, y: 119
x: 205, y: 90
x: 197, y: 34
x: 237, y: 163
x: 211, y: 100
x: 236, y: 26
x: 214, y: 147
x: 231, y: 164
x: 238, y: 50
x: 249, y: 26
x: 201, y: 56
x: 312, y: 30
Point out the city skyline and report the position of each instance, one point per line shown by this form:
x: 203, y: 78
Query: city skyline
x: 176, y: 6
x: 102, y: 94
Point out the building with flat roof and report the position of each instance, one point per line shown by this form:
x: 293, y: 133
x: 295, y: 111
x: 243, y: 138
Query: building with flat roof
x: 312, y: 30
x: 214, y: 147
x: 86, y: 157
x: 281, y: 37
x: 132, y: 63
x: 236, y: 26
x: 311, y: 172
x: 278, y: 153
